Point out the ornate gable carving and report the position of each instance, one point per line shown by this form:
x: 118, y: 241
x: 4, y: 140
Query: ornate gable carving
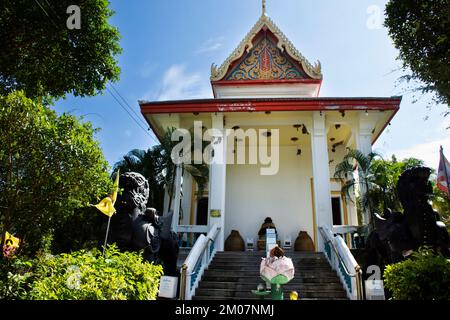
x: 266, y: 61
x: 284, y: 45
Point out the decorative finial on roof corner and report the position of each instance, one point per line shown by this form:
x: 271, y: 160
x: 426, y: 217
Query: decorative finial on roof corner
x: 264, y: 12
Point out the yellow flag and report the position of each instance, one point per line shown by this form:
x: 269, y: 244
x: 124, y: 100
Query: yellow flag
x: 11, y: 241
x: 106, y: 206
x: 116, y: 187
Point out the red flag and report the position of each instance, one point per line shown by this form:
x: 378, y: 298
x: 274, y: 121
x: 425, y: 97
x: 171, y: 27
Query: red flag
x: 443, y: 177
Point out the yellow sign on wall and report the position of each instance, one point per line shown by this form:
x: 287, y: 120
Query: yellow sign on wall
x: 215, y: 213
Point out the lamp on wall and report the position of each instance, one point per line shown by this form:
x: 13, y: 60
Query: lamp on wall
x: 304, y: 130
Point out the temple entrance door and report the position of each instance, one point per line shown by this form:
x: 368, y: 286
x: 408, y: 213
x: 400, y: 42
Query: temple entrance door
x: 202, y: 212
x: 336, y: 208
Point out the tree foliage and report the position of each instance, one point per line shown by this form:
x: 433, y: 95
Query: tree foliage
x: 387, y: 172
x: 50, y: 167
x: 157, y: 166
x: 43, y: 57
x: 376, y: 175
x: 357, y: 162
x: 420, y: 30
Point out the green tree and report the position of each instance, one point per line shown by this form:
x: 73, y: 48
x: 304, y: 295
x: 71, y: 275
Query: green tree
x: 377, y: 176
x: 156, y: 164
x: 356, y: 161
x: 420, y: 30
x: 386, y: 174
x: 50, y: 167
x: 46, y: 59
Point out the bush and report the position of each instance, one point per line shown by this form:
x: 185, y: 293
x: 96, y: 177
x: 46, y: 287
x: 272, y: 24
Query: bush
x: 15, y: 276
x: 84, y: 275
x: 426, y: 276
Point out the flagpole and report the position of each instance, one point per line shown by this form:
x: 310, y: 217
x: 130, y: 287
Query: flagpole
x: 106, y: 237
x: 445, y: 171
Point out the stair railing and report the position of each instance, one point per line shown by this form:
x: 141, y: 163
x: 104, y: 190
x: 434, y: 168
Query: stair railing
x: 342, y: 260
x: 196, y: 262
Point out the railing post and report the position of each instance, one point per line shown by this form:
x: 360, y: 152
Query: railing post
x: 183, y: 284
x: 359, y: 289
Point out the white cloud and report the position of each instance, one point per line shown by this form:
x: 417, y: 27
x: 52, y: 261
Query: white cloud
x: 211, y: 45
x: 428, y: 151
x: 177, y: 84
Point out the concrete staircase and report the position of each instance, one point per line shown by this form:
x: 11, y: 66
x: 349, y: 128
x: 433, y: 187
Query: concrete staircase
x: 232, y: 276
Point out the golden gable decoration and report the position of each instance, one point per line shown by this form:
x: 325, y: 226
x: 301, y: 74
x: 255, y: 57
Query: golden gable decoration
x: 313, y: 71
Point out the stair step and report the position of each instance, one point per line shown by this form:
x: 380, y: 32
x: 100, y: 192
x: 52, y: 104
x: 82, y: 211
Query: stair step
x: 252, y: 285
x: 257, y: 298
x: 241, y: 267
x: 299, y: 273
x: 232, y: 276
x: 249, y: 294
x: 256, y: 280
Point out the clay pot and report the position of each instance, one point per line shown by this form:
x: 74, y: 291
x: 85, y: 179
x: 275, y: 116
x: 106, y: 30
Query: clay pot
x: 234, y: 242
x: 304, y: 242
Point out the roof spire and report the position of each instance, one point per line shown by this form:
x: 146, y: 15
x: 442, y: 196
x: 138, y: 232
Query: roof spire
x: 263, y: 7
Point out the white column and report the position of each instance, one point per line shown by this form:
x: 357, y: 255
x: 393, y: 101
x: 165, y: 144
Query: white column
x: 217, y: 180
x: 363, y: 140
x: 177, y: 198
x: 364, y: 133
x: 321, y: 176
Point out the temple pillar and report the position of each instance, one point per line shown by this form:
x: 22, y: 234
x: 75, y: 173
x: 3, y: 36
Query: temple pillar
x: 321, y: 177
x: 177, y: 198
x: 217, y: 179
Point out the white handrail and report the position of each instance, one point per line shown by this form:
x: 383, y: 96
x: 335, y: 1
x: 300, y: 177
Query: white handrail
x: 342, y: 260
x: 196, y: 262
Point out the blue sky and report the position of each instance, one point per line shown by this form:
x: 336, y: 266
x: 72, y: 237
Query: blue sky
x: 169, y: 46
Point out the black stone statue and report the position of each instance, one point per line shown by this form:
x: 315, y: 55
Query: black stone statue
x: 135, y: 227
x: 397, y: 235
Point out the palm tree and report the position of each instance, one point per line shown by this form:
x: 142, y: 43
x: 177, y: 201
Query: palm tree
x: 145, y: 163
x: 167, y: 167
x: 367, y: 180
x: 157, y: 166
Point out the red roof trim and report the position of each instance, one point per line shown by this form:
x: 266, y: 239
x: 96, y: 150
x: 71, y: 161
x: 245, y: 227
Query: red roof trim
x: 255, y: 105
x: 385, y: 125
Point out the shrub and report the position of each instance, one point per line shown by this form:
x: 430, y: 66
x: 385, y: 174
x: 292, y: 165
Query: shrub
x: 85, y: 275
x: 15, y: 276
x: 426, y: 276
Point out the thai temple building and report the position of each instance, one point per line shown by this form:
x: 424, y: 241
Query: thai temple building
x: 267, y: 96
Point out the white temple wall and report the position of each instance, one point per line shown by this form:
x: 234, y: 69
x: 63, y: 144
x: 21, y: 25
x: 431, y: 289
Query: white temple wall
x: 285, y: 197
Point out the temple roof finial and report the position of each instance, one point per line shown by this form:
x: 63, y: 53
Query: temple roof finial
x: 264, y: 7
